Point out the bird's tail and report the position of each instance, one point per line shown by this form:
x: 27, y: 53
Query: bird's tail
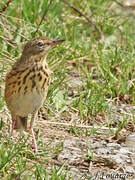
x: 19, y: 122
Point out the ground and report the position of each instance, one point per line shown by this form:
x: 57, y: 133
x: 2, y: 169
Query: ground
x: 82, y: 150
x: 85, y: 129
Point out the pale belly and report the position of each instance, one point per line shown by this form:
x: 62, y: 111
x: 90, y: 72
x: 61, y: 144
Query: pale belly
x: 23, y: 105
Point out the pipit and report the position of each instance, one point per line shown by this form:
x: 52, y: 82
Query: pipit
x: 27, y: 83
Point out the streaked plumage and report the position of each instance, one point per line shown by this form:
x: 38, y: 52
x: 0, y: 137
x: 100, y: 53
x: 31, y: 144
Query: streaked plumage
x: 28, y: 81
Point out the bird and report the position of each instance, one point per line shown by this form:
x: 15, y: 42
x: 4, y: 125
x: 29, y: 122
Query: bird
x: 26, y: 85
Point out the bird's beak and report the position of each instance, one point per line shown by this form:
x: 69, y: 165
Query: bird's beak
x: 55, y: 42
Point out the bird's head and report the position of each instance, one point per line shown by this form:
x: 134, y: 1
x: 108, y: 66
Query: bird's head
x: 40, y: 46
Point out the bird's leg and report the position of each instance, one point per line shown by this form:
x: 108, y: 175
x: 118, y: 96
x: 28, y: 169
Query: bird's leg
x: 34, y: 116
x: 14, y: 119
x: 34, y: 140
x: 12, y: 128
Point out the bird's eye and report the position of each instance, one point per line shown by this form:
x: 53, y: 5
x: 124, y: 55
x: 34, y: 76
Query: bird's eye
x: 40, y: 44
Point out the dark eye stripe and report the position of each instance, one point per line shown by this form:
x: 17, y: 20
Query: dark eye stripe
x: 40, y: 44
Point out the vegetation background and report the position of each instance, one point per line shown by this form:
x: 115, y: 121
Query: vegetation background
x: 93, y: 74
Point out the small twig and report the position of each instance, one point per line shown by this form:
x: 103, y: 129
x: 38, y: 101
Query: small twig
x: 5, y: 7
x: 7, y: 57
x: 124, y: 6
x: 45, y: 12
x: 79, y: 126
x: 120, y: 4
x: 12, y: 28
x: 13, y: 44
x: 90, y: 21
